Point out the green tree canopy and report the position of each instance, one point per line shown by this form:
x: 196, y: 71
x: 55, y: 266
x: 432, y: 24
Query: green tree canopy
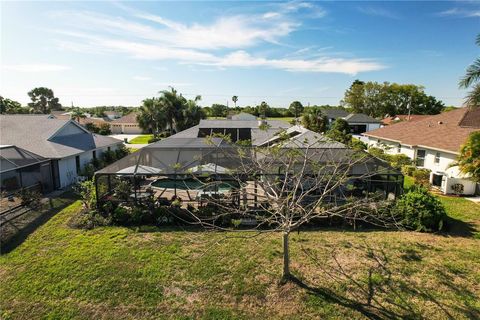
x: 43, y: 100
x: 381, y: 99
x: 11, y: 106
x: 296, y: 108
x: 469, y: 159
x: 218, y: 110
x: 151, y: 117
x: 340, y: 131
x: 263, y: 108
x: 472, y: 79
x: 315, y: 120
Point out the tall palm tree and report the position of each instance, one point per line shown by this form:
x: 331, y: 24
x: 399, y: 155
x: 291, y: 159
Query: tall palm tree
x: 192, y: 114
x: 235, y: 99
x: 151, y: 117
x: 172, y: 103
x: 77, y: 114
x: 472, y: 79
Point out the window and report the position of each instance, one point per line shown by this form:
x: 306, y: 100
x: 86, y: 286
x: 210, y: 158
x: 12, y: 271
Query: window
x: 109, y: 149
x: 94, y: 153
x: 77, y: 163
x: 399, y: 148
x: 437, y: 158
x: 420, y: 158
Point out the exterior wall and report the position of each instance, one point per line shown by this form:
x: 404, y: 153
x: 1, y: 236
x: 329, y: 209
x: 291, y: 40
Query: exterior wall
x: 127, y: 128
x: 451, y: 175
x: 373, y: 126
x: 67, y: 167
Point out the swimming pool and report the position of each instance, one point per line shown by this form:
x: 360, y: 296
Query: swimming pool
x: 193, y: 184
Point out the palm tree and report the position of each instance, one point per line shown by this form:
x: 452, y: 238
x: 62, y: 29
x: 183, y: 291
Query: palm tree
x: 235, y: 99
x: 77, y: 114
x: 315, y: 120
x: 151, y: 117
x: 192, y: 114
x: 172, y: 104
x: 472, y: 79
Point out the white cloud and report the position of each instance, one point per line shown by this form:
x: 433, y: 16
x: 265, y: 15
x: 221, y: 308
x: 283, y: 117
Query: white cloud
x: 173, y: 84
x: 465, y: 13
x: 141, y: 78
x: 199, y: 44
x: 332, y: 65
x: 36, y: 67
x: 378, y: 12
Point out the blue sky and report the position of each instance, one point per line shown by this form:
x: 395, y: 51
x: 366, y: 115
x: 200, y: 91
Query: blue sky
x: 118, y: 53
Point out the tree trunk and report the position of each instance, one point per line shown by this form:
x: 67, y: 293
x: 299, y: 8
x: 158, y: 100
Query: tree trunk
x: 286, y: 257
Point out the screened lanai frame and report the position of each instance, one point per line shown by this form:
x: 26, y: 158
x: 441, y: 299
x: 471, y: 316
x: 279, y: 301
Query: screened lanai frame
x: 20, y: 168
x: 213, y: 161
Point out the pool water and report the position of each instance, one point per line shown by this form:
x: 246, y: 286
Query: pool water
x: 192, y: 184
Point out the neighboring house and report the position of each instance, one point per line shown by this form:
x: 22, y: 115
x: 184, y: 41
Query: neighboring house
x: 112, y: 115
x: 127, y: 124
x: 67, y: 145
x: 240, y: 127
x: 403, y: 117
x: 360, y: 123
x: 433, y: 142
x: 20, y: 168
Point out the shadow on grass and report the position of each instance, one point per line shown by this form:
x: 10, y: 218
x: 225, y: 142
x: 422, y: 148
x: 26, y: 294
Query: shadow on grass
x: 380, y: 293
x: 460, y: 228
x: 54, y: 206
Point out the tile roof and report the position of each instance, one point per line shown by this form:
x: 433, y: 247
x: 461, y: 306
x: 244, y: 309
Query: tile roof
x: 35, y: 133
x: 471, y: 119
x: 128, y: 118
x: 442, y: 131
x: 241, y: 123
x: 334, y: 113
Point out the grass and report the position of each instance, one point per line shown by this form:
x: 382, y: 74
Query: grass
x: 151, y: 273
x: 143, y: 139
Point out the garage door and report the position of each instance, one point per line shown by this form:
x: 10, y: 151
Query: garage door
x: 130, y: 129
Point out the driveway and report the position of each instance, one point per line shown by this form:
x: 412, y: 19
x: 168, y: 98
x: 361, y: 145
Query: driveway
x: 123, y: 136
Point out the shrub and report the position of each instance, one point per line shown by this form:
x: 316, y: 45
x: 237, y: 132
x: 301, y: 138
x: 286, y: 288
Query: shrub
x: 458, y: 188
x: 86, y: 191
x: 120, y: 216
x: 104, y: 129
x: 420, y: 210
x: 408, y: 170
x: 421, y: 177
x: 89, y: 219
x: 399, y: 160
x: 154, y: 139
x: 378, y: 153
x: 358, y: 144
x: 123, y: 190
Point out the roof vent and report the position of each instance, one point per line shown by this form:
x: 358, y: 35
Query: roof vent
x: 440, y: 122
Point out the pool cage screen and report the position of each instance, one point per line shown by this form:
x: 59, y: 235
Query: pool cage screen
x: 195, y: 170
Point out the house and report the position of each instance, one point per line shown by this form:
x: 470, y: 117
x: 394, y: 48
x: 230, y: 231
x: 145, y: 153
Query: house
x: 66, y: 144
x: 240, y: 127
x: 127, y: 124
x: 433, y: 142
x: 403, y: 117
x: 360, y: 123
x: 112, y: 115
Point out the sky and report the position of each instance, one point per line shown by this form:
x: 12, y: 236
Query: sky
x: 94, y: 53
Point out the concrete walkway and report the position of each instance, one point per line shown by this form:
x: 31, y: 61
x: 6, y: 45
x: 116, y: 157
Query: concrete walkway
x: 123, y: 136
x: 474, y: 199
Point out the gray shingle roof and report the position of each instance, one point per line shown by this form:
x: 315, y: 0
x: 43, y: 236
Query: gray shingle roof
x: 32, y: 133
x: 360, y: 118
x: 334, y: 113
x: 241, y: 124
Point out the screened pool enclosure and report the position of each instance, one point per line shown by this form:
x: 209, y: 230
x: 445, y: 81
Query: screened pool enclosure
x: 199, y: 171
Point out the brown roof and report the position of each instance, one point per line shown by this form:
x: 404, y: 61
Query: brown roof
x: 471, y: 119
x: 129, y: 118
x: 403, y: 117
x: 441, y: 131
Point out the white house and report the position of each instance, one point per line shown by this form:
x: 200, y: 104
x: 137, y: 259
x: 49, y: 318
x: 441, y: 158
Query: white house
x: 434, y: 143
x: 68, y: 145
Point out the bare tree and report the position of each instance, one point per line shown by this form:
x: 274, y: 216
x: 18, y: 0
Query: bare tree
x: 287, y: 183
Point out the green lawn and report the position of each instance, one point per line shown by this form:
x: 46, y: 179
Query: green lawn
x: 143, y: 139
x: 150, y: 273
